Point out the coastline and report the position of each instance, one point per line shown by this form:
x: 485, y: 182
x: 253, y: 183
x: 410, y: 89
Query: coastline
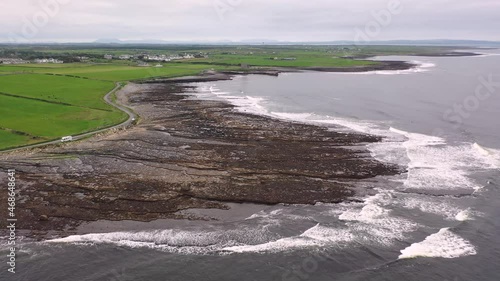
x: 189, y: 154
x: 186, y: 154
x: 211, y: 76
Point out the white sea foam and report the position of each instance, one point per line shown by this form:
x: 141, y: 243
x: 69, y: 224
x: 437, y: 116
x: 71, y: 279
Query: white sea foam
x: 481, y: 149
x: 483, y: 55
x: 442, y: 206
x: 365, y: 223
x: 245, y: 104
x: 389, y: 152
x: 370, y: 224
x: 273, y: 218
x: 215, y: 242
x: 300, y: 117
x: 465, y: 215
x: 280, y: 245
x: 374, y: 224
x: 313, y: 237
x: 368, y: 213
x: 265, y: 215
x: 444, y: 244
x: 179, y: 241
x: 436, y: 165
x: 448, y: 207
x: 489, y: 155
x: 367, y: 127
x: 419, y: 68
x: 329, y: 234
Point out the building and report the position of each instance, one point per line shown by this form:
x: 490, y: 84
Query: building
x: 124, y: 57
x: 83, y: 58
x: 51, y: 60
x: 12, y: 61
x: 108, y: 57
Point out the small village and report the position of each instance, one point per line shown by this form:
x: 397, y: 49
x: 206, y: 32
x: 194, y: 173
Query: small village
x: 155, y: 57
x: 141, y: 59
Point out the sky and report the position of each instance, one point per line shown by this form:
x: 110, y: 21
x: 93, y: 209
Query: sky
x: 241, y: 20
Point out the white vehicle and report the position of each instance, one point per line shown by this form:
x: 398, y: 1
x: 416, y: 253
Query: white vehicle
x: 66, y: 139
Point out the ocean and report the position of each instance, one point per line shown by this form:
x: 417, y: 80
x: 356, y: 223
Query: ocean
x: 438, y: 221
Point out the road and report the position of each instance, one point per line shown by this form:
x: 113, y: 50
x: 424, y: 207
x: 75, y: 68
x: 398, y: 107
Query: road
x: 107, y: 98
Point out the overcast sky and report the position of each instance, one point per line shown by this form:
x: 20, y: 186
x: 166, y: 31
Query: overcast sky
x: 235, y: 20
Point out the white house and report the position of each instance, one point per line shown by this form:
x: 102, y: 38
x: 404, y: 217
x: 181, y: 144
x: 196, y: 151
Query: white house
x: 51, y: 60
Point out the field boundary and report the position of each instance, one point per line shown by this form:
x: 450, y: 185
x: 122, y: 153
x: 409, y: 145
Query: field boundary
x: 131, y: 118
x: 53, y: 102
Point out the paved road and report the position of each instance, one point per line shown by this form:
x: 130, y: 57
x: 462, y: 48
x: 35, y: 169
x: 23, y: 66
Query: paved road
x: 107, y: 99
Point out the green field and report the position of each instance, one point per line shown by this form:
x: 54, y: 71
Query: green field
x: 300, y: 59
x: 37, y: 108
x: 58, y: 89
x: 48, y: 121
x: 45, y: 102
x: 10, y: 139
x: 112, y: 72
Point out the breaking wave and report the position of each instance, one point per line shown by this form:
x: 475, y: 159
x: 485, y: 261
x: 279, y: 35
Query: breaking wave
x: 444, y: 244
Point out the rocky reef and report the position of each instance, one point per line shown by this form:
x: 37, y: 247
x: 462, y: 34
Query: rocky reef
x: 185, y: 153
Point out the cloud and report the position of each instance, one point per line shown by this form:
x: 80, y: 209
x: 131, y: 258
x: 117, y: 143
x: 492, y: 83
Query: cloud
x: 288, y: 20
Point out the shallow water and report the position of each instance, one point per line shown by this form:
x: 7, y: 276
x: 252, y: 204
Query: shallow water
x: 437, y: 222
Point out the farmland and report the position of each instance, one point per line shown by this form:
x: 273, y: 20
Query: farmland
x: 41, y: 102
x: 113, y: 72
x: 38, y: 108
x: 57, y: 89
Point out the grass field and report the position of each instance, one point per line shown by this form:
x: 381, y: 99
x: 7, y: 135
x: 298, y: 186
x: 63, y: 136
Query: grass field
x: 48, y: 121
x: 58, y: 89
x: 10, y: 139
x: 283, y: 58
x: 37, y: 108
x: 45, y: 102
x: 112, y: 72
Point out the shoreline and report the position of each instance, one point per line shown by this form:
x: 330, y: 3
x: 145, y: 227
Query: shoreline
x: 215, y: 156
x: 187, y: 154
x: 212, y: 76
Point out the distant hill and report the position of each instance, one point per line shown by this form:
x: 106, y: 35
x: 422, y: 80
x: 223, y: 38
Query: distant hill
x: 108, y: 41
x: 434, y: 42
